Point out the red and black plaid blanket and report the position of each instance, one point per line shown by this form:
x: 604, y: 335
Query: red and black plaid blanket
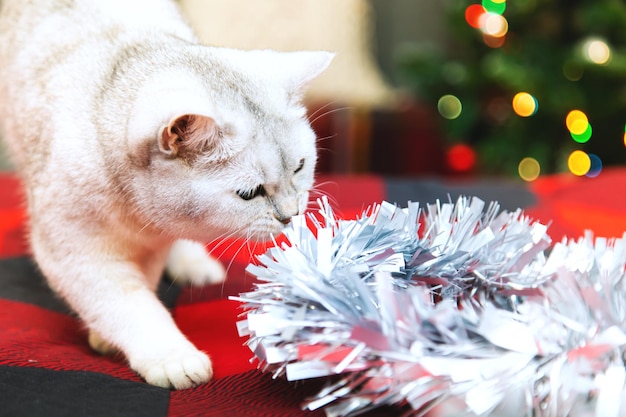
x: 47, y: 368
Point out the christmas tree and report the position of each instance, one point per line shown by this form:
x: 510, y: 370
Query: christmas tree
x: 529, y: 85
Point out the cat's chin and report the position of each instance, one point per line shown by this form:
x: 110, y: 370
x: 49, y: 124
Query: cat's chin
x: 260, y: 233
x: 264, y: 234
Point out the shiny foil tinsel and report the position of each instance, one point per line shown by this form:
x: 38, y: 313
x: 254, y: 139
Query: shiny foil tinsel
x: 457, y: 309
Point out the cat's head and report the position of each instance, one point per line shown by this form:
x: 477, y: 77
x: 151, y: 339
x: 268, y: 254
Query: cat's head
x: 223, y: 146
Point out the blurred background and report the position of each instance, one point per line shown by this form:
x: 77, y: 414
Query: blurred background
x: 454, y: 88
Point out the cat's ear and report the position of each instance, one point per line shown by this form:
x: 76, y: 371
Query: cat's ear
x: 294, y: 70
x: 189, y: 134
x: 299, y: 69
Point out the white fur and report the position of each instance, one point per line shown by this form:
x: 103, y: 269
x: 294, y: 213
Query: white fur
x: 188, y: 263
x: 83, y: 110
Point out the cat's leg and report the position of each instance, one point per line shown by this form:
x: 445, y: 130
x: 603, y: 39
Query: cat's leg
x: 118, y: 304
x: 189, y: 263
x: 152, y: 343
x: 97, y: 343
x: 131, y: 319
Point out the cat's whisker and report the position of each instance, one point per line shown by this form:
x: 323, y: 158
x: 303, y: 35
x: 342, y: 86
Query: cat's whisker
x: 244, y: 243
x: 319, y: 184
x: 172, y: 280
x: 320, y: 109
x: 325, y: 150
x: 220, y: 239
x: 318, y: 140
x: 315, y: 192
x: 222, y: 247
x: 229, y: 265
x: 224, y: 237
x: 338, y: 109
x: 230, y: 245
x: 312, y: 205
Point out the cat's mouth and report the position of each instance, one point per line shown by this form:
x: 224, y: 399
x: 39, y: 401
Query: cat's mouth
x: 268, y: 231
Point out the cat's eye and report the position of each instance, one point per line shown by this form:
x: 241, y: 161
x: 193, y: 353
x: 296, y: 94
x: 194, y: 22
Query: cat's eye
x: 250, y: 194
x: 300, y: 166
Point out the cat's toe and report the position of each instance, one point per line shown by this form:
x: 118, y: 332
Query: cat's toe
x: 189, y: 263
x: 179, y: 371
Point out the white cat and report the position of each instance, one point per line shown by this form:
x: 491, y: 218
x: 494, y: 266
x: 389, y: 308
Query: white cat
x: 129, y: 136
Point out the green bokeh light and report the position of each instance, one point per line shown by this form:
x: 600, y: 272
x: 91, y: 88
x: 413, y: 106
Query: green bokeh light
x: 583, y: 137
x: 494, y: 6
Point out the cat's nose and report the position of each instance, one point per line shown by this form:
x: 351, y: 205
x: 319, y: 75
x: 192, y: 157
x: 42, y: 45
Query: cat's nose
x: 285, y: 210
x: 283, y: 219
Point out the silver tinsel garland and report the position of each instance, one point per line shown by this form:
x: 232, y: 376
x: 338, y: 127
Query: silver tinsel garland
x: 463, y: 314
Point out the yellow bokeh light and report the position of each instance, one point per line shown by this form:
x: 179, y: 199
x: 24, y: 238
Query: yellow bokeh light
x: 524, y: 104
x: 597, y: 51
x: 624, y: 138
x: 579, y: 163
x: 495, y: 25
x: 498, y: 1
x: 529, y: 169
x: 450, y: 107
x: 579, y: 126
x: 576, y: 122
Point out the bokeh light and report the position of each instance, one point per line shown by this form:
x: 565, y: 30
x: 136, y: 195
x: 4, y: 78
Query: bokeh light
x: 583, y: 137
x: 474, y: 14
x: 488, y: 18
x: 578, y: 125
x: 573, y: 116
x: 524, y: 104
x: 579, y: 163
x: 494, y: 6
x: 576, y: 118
x: 495, y: 25
x: 492, y: 41
x: 529, y: 169
x: 597, y: 51
x: 596, y: 166
x: 461, y: 158
x: 450, y: 107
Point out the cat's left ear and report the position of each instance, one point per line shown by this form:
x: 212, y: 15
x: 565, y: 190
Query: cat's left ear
x: 299, y: 69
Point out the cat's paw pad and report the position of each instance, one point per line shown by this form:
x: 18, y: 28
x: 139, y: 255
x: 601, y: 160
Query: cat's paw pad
x: 189, y: 263
x: 178, y: 371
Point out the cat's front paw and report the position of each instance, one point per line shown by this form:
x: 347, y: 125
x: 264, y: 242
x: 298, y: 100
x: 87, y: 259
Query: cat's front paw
x: 180, y: 370
x: 189, y: 263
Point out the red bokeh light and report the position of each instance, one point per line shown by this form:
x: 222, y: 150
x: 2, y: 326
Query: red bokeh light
x: 461, y: 158
x: 473, y: 15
